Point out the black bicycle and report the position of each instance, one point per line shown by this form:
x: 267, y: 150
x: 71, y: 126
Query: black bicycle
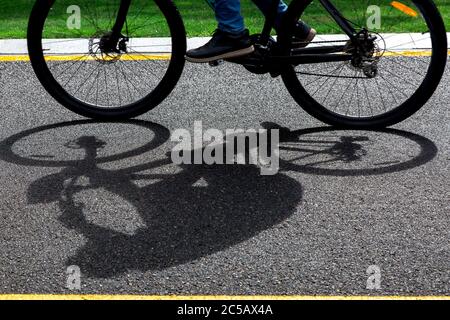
x: 370, y: 65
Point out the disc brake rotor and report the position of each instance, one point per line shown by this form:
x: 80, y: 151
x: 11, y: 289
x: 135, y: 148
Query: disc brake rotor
x: 101, y: 51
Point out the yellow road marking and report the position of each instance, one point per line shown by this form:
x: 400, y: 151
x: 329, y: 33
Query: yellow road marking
x: 212, y: 297
x: 408, y: 54
x: 140, y: 57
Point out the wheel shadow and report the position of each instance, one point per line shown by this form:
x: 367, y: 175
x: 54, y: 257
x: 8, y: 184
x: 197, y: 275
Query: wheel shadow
x: 183, y: 220
x: 339, y: 152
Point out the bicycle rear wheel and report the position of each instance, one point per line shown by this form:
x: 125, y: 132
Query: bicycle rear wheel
x: 66, y: 41
x: 397, y: 75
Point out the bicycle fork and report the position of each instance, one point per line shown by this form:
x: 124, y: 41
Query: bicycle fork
x: 116, y: 32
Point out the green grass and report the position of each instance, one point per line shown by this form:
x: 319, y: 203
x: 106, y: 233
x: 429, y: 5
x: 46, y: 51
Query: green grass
x: 197, y: 16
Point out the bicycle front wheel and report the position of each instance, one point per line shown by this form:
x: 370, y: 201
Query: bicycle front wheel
x: 71, y: 54
x: 391, y: 76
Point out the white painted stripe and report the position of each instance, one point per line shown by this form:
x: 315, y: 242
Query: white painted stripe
x: 76, y: 46
x: 401, y: 42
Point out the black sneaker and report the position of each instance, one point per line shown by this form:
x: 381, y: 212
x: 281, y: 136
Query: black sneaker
x: 303, y: 35
x: 222, y: 45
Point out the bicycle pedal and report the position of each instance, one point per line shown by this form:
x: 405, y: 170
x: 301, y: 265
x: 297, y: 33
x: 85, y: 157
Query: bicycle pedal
x: 215, y: 63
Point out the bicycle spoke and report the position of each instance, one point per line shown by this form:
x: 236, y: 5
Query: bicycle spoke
x: 95, y: 74
x: 402, y: 57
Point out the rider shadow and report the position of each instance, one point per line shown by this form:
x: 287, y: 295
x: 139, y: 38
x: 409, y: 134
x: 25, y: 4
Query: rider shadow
x: 184, y: 219
x: 196, y: 212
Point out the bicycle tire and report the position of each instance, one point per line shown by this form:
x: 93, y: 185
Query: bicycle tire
x: 163, y: 89
x: 409, y: 107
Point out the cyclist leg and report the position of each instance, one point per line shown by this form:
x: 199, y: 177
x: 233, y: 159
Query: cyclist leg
x: 265, y: 7
x: 230, y: 40
x: 228, y: 16
x: 303, y: 33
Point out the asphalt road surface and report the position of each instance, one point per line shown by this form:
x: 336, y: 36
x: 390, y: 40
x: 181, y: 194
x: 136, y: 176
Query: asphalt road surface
x: 106, y: 198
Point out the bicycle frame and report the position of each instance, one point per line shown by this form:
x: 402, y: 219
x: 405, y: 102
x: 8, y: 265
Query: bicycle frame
x: 308, y: 55
x: 297, y: 56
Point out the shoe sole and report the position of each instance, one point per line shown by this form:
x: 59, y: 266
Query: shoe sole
x: 229, y: 55
x: 307, y: 41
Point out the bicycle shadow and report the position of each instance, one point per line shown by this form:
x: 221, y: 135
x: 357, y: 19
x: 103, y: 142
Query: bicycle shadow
x: 318, y: 154
x: 183, y: 220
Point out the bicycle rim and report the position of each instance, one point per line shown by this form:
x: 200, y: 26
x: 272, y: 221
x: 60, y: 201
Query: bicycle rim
x: 103, y: 79
x: 403, y: 61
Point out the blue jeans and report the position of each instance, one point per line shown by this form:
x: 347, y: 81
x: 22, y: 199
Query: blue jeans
x: 228, y: 13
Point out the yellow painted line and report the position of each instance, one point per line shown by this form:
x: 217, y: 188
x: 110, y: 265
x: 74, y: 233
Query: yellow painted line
x: 422, y: 53
x: 212, y: 297
x: 409, y: 54
x: 25, y: 58
x: 4, y: 58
